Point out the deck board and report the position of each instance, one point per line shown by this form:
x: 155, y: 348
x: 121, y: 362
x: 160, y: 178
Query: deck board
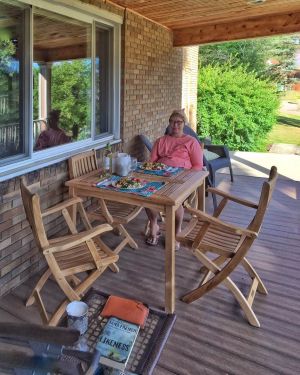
x: 211, y: 335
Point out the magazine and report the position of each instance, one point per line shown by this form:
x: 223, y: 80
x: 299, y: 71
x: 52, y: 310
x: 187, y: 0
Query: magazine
x: 116, y: 342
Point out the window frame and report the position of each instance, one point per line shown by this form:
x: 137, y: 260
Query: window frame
x: 30, y: 160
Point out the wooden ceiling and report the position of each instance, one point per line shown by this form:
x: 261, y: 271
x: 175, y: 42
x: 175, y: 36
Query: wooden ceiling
x: 193, y: 22
x: 56, y: 40
x: 207, y: 21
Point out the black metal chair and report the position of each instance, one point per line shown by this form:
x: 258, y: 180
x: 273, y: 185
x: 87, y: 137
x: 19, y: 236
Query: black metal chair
x: 222, y: 161
x: 146, y: 141
x: 212, y: 165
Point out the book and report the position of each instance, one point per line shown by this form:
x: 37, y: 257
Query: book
x: 115, y: 342
x: 104, y: 370
x: 126, y: 309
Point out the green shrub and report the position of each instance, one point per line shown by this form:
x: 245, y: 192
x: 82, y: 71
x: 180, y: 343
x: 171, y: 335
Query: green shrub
x: 235, y: 107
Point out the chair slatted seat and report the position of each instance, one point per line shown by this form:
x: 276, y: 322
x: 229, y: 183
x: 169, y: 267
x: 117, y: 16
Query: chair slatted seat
x: 119, y: 211
x: 67, y: 255
x: 221, y: 247
x: 114, y: 213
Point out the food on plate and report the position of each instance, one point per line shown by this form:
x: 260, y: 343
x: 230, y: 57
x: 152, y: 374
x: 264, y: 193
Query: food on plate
x: 130, y: 183
x: 152, y: 166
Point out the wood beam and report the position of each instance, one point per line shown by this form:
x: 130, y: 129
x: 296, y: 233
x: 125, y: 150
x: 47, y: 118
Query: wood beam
x: 251, y: 28
x: 59, y: 54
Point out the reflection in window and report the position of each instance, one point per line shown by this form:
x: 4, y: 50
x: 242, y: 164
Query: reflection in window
x: 62, y: 83
x: 102, y: 81
x: 11, y: 66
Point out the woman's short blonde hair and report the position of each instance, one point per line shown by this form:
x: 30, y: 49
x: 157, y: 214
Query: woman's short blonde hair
x: 179, y: 113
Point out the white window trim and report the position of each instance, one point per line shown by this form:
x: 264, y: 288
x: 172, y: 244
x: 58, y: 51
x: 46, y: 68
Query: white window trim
x: 37, y: 160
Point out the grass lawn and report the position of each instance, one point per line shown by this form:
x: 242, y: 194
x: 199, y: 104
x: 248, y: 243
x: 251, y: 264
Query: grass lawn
x: 287, y: 130
x: 291, y: 95
x: 283, y: 133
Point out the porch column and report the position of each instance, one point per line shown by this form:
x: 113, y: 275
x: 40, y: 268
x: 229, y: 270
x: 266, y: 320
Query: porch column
x: 189, y: 84
x: 44, y: 90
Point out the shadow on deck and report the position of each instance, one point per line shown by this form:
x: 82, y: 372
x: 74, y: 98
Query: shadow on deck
x: 211, y: 335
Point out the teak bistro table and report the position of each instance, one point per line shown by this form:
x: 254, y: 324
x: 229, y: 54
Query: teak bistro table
x: 176, y: 190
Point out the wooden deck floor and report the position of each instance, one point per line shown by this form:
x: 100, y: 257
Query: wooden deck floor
x: 211, y: 335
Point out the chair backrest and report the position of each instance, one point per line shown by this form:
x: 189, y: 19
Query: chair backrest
x: 189, y: 131
x: 82, y: 164
x: 33, y: 213
x: 265, y: 197
x: 146, y: 141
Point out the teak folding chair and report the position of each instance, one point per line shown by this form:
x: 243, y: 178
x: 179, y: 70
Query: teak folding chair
x: 114, y: 213
x: 227, y: 246
x: 68, y: 255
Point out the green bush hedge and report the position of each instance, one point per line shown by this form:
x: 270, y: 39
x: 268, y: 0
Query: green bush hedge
x: 235, y: 107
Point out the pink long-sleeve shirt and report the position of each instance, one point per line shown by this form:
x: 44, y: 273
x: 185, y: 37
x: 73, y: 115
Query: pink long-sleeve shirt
x: 184, y: 152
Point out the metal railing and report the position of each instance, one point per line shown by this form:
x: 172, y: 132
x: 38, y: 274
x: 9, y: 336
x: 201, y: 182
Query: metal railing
x: 9, y: 139
x: 38, y: 126
x: 10, y: 136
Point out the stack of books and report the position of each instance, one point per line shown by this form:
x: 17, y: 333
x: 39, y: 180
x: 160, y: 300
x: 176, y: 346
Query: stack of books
x: 125, y: 318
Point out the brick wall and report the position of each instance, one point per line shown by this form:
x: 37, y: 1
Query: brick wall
x: 151, y: 89
x: 151, y: 80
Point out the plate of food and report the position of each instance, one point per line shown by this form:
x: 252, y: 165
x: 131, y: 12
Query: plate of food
x: 127, y: 183
x: 153, y: 166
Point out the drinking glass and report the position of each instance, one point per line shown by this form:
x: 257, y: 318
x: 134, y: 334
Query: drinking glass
x: 133, y: 165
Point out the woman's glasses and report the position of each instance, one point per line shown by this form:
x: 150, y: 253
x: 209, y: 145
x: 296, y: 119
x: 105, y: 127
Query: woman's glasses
x: 175, y: 122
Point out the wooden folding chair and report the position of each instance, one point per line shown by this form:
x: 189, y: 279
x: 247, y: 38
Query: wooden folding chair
x: 67, y: 255
x: 221, y: 247
x: 114, y: 213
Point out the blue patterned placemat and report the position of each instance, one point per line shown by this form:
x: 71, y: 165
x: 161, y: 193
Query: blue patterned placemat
x: 169, y: 171
x: 147, y: 190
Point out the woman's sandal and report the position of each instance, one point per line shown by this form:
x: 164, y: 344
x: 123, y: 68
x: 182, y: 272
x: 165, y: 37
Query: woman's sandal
x: 152, y: 240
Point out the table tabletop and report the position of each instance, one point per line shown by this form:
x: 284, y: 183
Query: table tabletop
x: 175, y: 191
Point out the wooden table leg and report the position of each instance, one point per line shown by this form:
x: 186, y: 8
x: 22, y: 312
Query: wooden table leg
x: 201, y: 196
x: 170, y: 260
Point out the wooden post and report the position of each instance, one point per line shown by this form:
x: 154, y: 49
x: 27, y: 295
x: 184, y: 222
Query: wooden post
x: 170, y: 260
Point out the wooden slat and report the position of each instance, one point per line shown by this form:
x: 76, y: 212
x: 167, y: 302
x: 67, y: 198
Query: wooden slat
x: 235, y: 30
x: 177, y: 14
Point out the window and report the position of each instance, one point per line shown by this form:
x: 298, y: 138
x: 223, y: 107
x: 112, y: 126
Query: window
x: 69, y: 101
x: 11, y: 80
x: 62, y: 72
x: 102, y: 80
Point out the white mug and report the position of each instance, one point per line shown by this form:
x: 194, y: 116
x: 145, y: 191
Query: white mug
x: 77, y: 312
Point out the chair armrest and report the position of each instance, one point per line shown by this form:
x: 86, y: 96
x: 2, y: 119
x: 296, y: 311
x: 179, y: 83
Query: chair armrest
x: 68, y: 242
x: 233, y: 198
x: 212, y: 220
x: 204, y: 140
x: 61, y: 206
x: 218, y: 149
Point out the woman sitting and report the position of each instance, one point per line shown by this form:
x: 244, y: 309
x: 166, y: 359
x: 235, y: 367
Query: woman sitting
x: 175, y: 150
x: 53, y: 136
